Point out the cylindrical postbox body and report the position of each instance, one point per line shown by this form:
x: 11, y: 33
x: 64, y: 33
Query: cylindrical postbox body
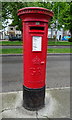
x: 35, y: 29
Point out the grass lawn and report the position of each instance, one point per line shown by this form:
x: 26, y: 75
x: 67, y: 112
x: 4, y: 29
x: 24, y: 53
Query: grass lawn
x: 50, y: 50
x: 59, y: 43
x: 59, y: 50
x: 49, y: 43
x: 11, y: 51
x: 11, y: 43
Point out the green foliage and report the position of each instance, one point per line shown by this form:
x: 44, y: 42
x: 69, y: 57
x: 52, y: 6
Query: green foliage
x: 61, y: 12
x: 9, y: 11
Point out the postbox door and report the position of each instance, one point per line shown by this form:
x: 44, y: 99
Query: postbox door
x: 36, y: 64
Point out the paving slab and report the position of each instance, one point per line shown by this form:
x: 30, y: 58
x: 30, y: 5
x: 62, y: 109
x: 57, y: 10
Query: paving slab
x: 57, y: 105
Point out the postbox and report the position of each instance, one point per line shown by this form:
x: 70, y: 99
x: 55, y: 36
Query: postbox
x: 35, y: 29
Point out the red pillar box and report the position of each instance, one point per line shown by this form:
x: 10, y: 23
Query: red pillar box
x: 35, y: 28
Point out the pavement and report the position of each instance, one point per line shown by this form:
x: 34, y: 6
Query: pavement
x: 57, y: 105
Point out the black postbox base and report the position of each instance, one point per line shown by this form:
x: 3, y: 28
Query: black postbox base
x: 33, y: 99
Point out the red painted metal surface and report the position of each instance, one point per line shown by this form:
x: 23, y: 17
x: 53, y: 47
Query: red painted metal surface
x: 35, y: 29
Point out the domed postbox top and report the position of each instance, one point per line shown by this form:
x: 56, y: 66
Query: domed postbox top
x: 35, y: 11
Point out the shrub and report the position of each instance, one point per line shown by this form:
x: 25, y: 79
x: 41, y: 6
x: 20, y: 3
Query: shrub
x: 70, y: 39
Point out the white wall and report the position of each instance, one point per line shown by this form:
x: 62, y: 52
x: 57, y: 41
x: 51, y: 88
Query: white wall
x: 59, y: 32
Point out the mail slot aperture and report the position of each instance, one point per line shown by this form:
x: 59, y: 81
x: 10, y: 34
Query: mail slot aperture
x: 36, y: 28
